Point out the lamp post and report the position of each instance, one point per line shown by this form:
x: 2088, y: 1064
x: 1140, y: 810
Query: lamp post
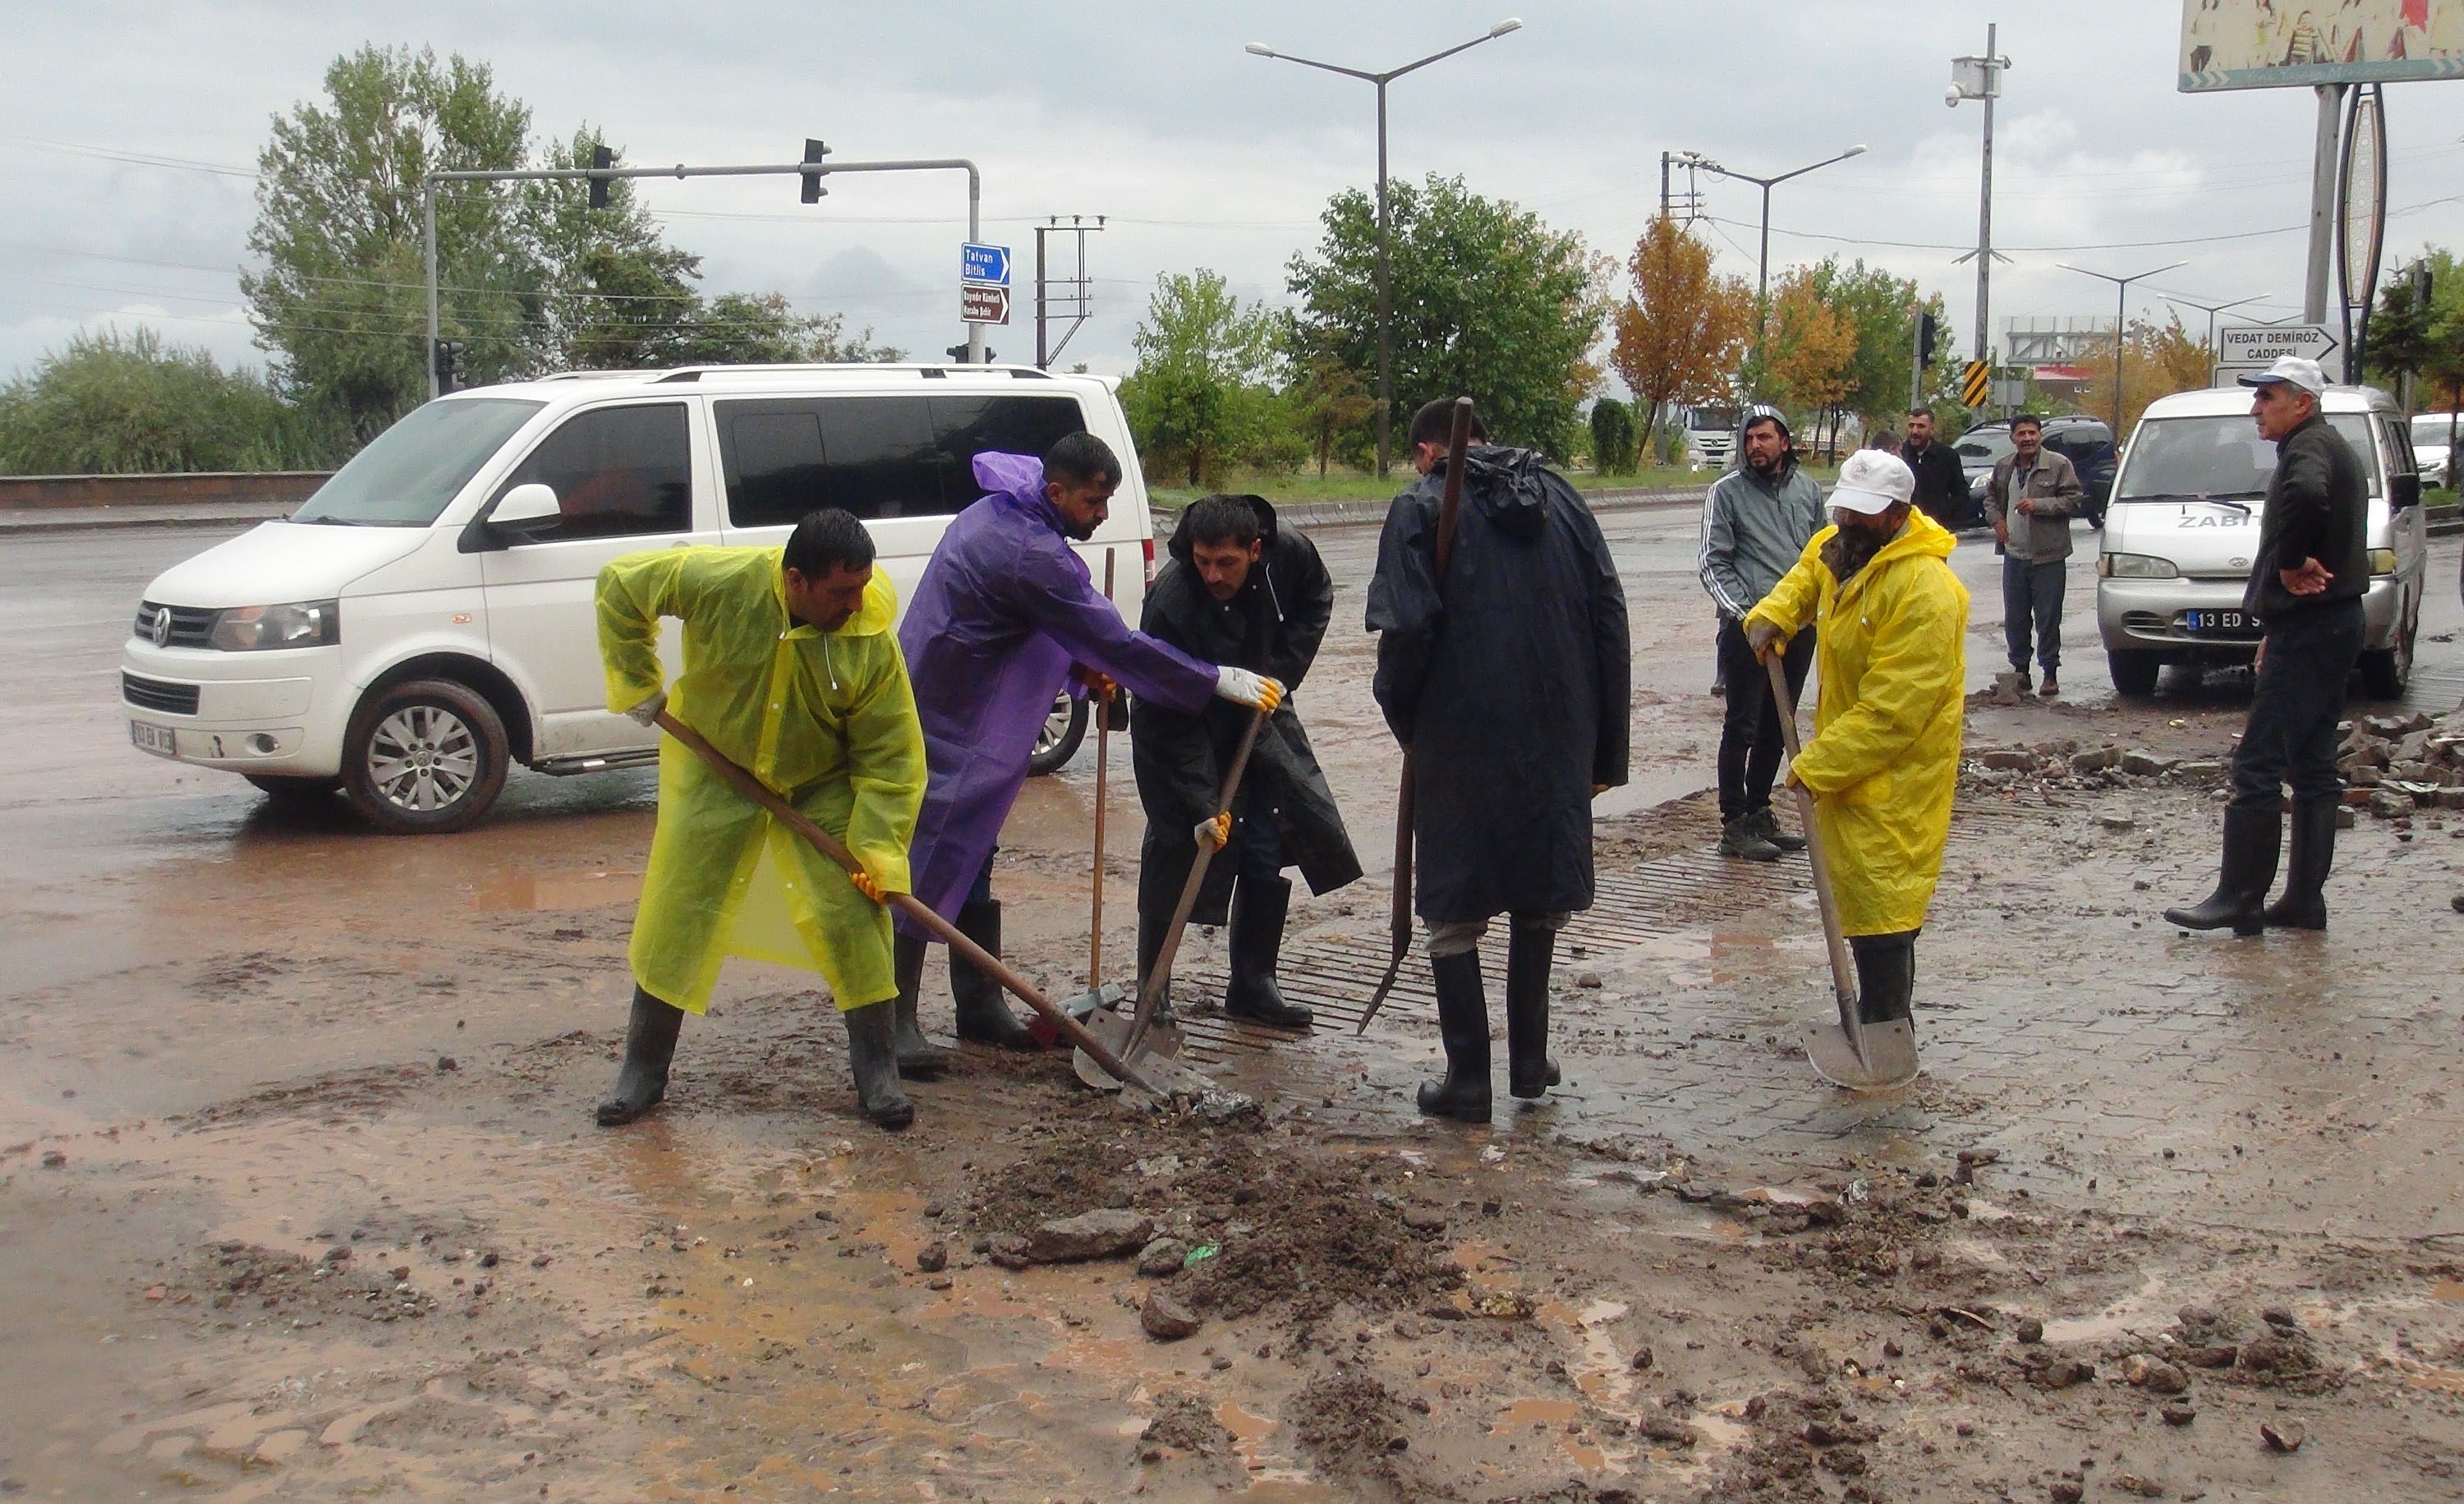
x: 2211, y: 310
x: 1762, y: 262
x: 1981, y: 78
x: 2121, y: 316
x: 1385, y: 357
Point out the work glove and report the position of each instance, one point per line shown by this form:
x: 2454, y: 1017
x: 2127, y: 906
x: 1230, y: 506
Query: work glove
x: 1216, y: 830
x: 866, y: 884
x: 1099, y: 685
x: 1762, y: 637
x: 648, y: 712
x: 1242, y: 687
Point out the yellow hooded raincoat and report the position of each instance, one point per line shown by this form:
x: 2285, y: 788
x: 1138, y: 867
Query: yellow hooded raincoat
x: 827, y: 719
x: 1884, y: 758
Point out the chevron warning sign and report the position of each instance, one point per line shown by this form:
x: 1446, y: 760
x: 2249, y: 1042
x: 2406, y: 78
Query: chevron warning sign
x: 1972, y: 385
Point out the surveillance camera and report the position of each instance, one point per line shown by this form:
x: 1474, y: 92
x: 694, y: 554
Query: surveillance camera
x: 1951, y: 96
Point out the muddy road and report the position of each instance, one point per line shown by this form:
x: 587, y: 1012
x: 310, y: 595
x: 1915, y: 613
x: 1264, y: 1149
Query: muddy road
x: 299, y: 1196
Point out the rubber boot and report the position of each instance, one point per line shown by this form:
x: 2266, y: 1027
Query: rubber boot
x: 1887, y: 976
x: 1259, y: 905
x: 649, y: 1047
x: 919, y: 1059
x: 1462, y: 1023
x: 2304, y: 904
x: 1767, y: 826
x: 1530, y: 948
x: 1151, y: 945
x: 873, y: 1050
x: 2251, y: 837
x: 984, y: 1018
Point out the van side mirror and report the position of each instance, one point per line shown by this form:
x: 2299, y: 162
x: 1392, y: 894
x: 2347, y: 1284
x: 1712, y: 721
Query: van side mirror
x: 2403, y: 492
x: 528, y: 508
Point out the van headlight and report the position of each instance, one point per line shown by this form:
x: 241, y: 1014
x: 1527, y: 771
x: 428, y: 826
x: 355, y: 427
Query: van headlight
x: 2135, y: 567
x: 2382, y: 561
x: 250, y: 629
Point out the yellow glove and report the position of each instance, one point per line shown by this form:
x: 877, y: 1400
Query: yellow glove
x: 866, y: 884
x: 1217, y: 830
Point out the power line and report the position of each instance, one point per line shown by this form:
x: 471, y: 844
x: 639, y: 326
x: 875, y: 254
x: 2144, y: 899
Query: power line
x: 2117, y: 245
x: 143, y: 159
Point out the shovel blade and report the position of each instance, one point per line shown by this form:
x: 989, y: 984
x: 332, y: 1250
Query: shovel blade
x: 1155, y: 1058
x: 1889, y: 1060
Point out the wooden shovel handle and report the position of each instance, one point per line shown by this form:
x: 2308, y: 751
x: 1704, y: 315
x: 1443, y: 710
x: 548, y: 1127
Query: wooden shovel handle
x: 1844, y: 972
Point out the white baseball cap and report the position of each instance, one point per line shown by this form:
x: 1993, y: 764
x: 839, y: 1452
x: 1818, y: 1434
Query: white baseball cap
x: 1873, y: 481
x: 2292, y: 370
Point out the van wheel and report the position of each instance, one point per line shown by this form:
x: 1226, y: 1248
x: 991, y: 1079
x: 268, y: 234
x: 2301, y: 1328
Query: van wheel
x: 424, y: 757
x: 2386, y: 673
x: 2134, y: 674
x: 292, y: 789
x: 1063, y: 729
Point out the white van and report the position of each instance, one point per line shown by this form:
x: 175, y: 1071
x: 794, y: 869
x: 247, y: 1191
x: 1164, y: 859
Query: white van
x: 416, y: 627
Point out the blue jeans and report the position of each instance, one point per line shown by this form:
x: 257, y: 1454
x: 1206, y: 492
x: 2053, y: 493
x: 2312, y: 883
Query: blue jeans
x: 2290, y: 737
x: 2031, y: 596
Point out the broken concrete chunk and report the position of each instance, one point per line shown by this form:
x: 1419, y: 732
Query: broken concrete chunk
x: 1106, y: 1232
x: 2010, y: 759
x: 2096, y: 761
x: 1161, y: 1259
x: 2144, y: 765
x: 1166, y: 1319
x: 2154, y: 1374
x: 2283, y: 1435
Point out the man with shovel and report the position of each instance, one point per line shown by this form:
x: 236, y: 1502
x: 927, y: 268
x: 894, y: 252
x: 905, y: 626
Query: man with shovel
x: 1240, y: 589
x: 1884, y: 758
x: 1005, y: 615
x: 791, y: 671
x: 1507, y: 679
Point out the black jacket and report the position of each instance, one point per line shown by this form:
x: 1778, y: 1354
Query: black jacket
x: 1271, y: 625
x: 2318, y: 507
x: 1509, y: 680
x: 1941, y: 485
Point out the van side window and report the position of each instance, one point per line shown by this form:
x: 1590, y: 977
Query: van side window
x: 616, y: 472
x: 876, y: 456
x: 968, y: 425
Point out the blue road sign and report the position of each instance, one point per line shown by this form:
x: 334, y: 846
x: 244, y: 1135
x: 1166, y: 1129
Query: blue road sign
x: 985, y: 266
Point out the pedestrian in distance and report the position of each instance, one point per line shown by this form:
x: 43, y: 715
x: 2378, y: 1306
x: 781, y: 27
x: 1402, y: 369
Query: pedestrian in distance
x: 790, y: 669
x: 1508, y: 682
x: 1941, y: 485
x: 1005, y: 616
x: 2032, y: 496
x: 1884, y: 760
x: 1756, y: 522
x: 2306, y: 582
x: 1239, y: 588
x: 1884, y: 439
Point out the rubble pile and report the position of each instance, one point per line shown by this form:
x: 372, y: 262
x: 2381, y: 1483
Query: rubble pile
x: 2069, y: 765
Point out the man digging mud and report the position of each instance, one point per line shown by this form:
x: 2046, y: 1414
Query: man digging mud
x: 1884, y: 757
x: 1509, y: 681
x: 791, y: 670
x: 1004, y: 615
x: 1240, y: 589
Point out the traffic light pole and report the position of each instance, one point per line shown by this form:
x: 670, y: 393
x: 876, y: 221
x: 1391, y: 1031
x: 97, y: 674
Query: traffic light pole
x: 815, y: 169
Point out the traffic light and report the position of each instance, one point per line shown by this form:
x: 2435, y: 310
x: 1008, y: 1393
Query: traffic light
x: 1929, y: 336
x: 814, y: 152
x: 450, y: 375
x: 959, y: 353
x: 601, y: 160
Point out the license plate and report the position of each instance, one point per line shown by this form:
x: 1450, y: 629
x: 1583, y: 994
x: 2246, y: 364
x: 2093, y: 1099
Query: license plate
x: 2218, y: 622
x: 161, y: 740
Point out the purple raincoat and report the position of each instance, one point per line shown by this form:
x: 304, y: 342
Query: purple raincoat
x: 1002, y: 611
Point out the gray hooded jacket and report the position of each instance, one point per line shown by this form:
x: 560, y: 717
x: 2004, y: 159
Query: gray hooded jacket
x: 1753, y: 530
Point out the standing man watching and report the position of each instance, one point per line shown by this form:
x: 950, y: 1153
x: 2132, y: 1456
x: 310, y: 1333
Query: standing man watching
x: 1005, y: 615
x: 2306, y: 584
x: 1240, y: 590
x: 1884, y: 760
x: 2030, y: 500
x: 1509, y: 681
x: 1941, y: 485
x: 1756, y: 522
x: 791, y: 670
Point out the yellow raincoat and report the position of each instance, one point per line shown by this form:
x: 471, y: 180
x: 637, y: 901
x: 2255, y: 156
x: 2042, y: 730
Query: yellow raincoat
x: 827, y: 719
x: 1884, y: 758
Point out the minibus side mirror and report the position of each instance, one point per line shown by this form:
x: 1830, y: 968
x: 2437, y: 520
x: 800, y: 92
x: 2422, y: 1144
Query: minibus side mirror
x: 521, y: 513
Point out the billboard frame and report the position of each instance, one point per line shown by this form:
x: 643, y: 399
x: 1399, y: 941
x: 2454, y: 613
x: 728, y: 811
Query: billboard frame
x: 2381, y: 30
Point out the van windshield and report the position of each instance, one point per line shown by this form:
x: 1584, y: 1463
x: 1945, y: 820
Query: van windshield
x: 412, y: 470
x: 2219, y: 456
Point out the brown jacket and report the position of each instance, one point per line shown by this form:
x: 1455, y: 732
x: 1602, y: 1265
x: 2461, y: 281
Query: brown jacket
x: 2043, y: 536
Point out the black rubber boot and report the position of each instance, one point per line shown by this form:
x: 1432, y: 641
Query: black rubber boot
x: 1530, y: 948
x: 1259, y: 906
x: 1462, y: 1023
x: 1886, y: 977
x: 919, y: 1059
x: 984, y: 1018
x: 873, y: 1050
x: 2251, y: 837
x: 1150, y: 945
x: 2304, y: 904
x: 649, y: 1047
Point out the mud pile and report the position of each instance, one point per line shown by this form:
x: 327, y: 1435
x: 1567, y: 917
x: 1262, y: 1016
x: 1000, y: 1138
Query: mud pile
x: 245, y: 1279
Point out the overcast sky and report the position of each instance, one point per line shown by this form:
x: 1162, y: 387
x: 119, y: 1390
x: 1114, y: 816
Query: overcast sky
x: 1202, y: 154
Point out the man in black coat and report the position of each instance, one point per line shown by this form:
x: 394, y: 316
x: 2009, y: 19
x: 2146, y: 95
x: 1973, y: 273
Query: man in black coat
x: 1244, y: 590
x: 1509, y: 681
x: 2308, y: 577
x: 1942, y: 484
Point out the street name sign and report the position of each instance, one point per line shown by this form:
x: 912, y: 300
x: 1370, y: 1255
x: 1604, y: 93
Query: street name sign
x: 979, y: 303
x: 2260, y: 343
x: 984, y: 265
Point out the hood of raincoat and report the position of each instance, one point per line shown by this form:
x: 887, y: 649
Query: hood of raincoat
x: 1923, y: 536
x: 1015, y: 480
x: 1180, y: 546
x: 1505, y: 486
x: 878, y: 614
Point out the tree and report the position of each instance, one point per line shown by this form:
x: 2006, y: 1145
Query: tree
x: 1201, y: 390
x: 1679, y: 334
x: 1883, y: 308
x: 1613, y: 437
x: 2156, y: 360
x: 115, y: 404
x: 1328, y: 400
x: 616, y: 296
x: 1488, y: 301
x: 1809, y: 347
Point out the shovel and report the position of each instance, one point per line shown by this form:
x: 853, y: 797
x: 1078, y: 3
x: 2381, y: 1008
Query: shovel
x: 744, y: 783
x: 1861, y: 1056
x: 1100, y: 995
x: 1141, y: 1040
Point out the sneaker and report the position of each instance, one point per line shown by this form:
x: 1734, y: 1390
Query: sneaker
x: 1742, y: 842
x: 1767, y: 826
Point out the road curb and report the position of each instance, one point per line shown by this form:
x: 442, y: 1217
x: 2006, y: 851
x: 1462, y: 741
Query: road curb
x: 1311, y: 515
x: 83, y: 521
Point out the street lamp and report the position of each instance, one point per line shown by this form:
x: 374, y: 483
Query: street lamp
x: 1980, y: 79
x: 1385, y: 358
x: 1762, y: 262
x: 2121, y: 316
x: 2211, y: 310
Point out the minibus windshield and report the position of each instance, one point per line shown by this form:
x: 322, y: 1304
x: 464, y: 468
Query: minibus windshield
x: 412, y: 470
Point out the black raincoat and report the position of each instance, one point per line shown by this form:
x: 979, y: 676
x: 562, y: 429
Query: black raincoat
x: 1509, y: 684
x: 1272, y: 625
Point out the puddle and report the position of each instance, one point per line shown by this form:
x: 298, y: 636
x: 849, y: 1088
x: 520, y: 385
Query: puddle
x: 2451, y: 1290
x: 558, y: 889
x: 1522, y: 1413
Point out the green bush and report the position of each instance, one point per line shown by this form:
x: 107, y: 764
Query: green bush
x: 1613, y: 437
x: 128, y: 404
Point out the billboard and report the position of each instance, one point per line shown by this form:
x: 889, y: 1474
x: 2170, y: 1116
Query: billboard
x: 2266, y: 44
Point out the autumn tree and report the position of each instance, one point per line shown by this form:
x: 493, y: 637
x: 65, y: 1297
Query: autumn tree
x: 1678, y: 334
x: 2157, y: 360
x: 1809, y: 347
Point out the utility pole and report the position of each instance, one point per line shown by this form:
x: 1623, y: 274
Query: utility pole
x: 2323, y: 171
x: 2211, y: 310
x: 1077, y: 302
x: 1694, y: 160
x: 1981, y: 78
x: 2121, y: 323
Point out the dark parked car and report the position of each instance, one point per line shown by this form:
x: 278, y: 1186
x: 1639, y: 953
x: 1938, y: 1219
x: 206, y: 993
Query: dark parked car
x: 2087, y: 441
